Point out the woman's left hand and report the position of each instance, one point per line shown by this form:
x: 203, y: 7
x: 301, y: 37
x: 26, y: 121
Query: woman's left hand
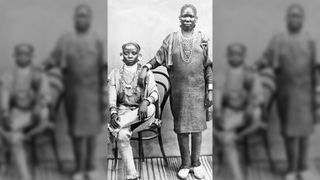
x: 143, y: 109
x: 209, y: 99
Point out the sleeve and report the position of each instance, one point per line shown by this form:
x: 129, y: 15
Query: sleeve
x: 56, y: 57
x: 112, y: 92
x: 153, y: 93
x: 208, y: 63
x: 161, y: 55
x: 6, y: 81
x: 313, y: 49
x: 269, y: 57
x: 103, y: 72
x: 43, y: 91
x: 254, y: 88
x: 102, y: 54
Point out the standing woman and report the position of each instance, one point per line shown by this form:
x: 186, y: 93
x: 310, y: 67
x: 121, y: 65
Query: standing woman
x: 79, y: 55
x: 184, y: 53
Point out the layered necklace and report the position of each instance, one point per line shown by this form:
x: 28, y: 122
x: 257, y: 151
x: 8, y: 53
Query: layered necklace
x: 128, y: 85
x: 186, y: 47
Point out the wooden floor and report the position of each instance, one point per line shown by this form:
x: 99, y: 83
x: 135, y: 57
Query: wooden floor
x: 153, y: 169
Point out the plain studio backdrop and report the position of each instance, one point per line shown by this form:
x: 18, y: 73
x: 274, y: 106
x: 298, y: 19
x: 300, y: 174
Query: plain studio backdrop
x: 254, y: 22
x: 148, y: 22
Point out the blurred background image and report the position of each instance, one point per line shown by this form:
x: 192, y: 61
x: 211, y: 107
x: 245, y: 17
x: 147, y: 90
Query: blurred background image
x: 32, y: 91
x: 249, y: 32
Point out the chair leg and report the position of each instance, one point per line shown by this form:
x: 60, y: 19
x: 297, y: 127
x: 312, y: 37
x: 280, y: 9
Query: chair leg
x: 267, y: 149
x: 246, y: 152
x: 34, y: 158
x: 115, y: 154
x: 55, y: 150
x: 161, y: 147
x: 141, y: 153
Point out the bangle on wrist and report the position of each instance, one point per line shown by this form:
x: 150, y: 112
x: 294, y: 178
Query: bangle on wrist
x: 113, y: 110
x: 148, y: 66
x: 148, y: 100
x: 210, y: 86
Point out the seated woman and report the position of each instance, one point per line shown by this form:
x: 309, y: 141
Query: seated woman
x: 130, y: 104
x: 240, y: 106
x: 25, y: 103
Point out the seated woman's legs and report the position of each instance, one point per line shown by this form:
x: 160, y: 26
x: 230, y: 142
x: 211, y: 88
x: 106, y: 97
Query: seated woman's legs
x: 19, y: 153
x: 125, y: 151
x: 232, y: 154
x: 130, y: 117
x: 124, y: 135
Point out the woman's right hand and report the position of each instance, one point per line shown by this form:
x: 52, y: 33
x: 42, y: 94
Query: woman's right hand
x: 142, y: 77
x: 113, y: 122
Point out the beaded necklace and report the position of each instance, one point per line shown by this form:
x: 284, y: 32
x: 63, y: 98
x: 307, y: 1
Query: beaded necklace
x: 129, y: 88
x: 186, y: 47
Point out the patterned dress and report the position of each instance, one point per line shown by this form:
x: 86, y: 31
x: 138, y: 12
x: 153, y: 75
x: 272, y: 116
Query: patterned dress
x: 292, y: 57
x: 186, y: 64
x: 81, y: 59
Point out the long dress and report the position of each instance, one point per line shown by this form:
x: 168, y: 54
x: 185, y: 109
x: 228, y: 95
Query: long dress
x: 81, y: 59
x: 187, y: 80
x: 293, y: 59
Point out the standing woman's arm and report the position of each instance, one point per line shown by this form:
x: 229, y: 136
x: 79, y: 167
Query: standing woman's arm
x: 208, y: 72
x: 161, y: 58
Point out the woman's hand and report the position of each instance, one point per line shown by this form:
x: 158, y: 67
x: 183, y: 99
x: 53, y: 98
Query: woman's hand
x: 209, y: 99
x: 113, y: 122
x: 15, y: 137
x: 142, y: 77
x: 143, y: 110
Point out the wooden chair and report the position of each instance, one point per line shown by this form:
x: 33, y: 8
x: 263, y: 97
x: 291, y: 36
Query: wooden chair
x: 51, y: 136
x: 54, y: 77
x: 262, y: 133
x: 155, y: 130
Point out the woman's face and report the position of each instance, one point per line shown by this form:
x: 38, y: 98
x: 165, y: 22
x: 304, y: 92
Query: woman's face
x: 188, y: 19
x: 235, y: 56
x: 23, y: 56
x: 130, y: 54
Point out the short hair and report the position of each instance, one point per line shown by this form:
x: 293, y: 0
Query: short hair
x: 20, y: 46
x: 240, y: 45
x: 131, y: 43
x: 83, y: 6
x: 188, y: 6
x: 297, y: 6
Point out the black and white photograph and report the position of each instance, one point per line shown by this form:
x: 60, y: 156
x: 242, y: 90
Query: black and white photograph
x: 160, y: 89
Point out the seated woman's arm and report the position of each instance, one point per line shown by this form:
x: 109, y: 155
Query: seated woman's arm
x: 112, y: 100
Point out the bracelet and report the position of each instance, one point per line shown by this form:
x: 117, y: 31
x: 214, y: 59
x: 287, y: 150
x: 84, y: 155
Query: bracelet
x: 113, y: 110
x: 210, y: 86
x: 149, y: 99
x: 148, y: 66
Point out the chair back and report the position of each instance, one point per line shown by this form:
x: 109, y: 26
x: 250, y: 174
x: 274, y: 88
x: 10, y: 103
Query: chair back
x: 55, y: 79
x: 163, y: 84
